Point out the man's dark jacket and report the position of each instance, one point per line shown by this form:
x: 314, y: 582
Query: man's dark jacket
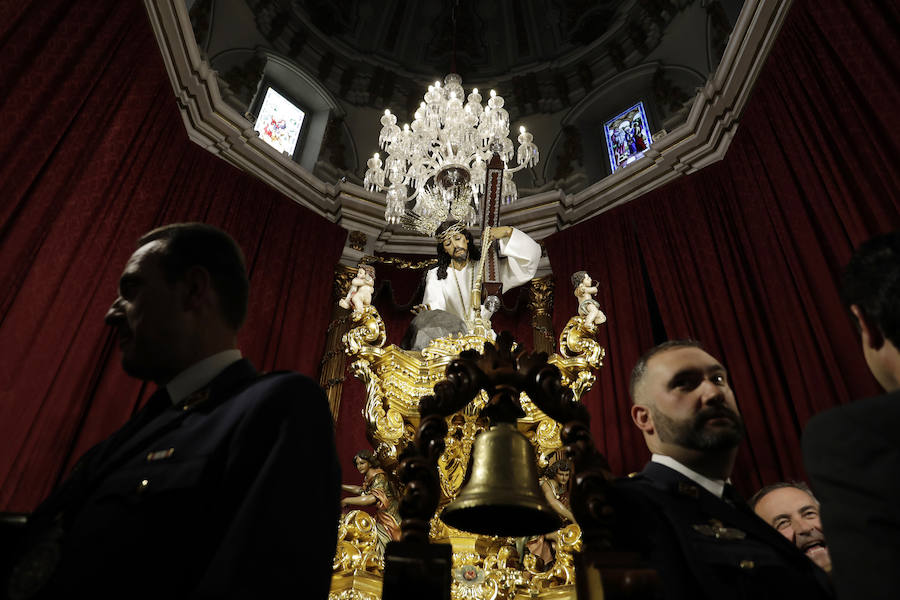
x: 706, y: 547
x: 852, y: 457
x: 234, y: 494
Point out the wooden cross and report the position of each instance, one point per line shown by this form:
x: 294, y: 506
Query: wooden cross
x: 490, y: 217
x: 487, y: 275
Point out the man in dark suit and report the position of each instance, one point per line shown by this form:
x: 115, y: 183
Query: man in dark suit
x: 225, y: 485
x: 681, y: 511
x: 852, y: 453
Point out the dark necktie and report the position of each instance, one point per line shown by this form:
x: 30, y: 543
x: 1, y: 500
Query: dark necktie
x: 732, y: 498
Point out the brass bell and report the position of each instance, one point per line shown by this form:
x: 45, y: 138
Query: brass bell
x: 502, y: 495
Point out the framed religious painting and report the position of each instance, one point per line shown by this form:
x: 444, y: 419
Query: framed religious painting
x: 627, y: 136
x: 279, y: 120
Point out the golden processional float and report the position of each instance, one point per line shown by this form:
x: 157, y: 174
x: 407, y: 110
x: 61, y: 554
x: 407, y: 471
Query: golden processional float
x: 464, y: 424
x: 488, y: 567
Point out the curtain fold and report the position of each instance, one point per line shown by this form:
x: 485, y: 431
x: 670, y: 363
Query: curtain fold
x: 96, y: 155
x: 606, y: 247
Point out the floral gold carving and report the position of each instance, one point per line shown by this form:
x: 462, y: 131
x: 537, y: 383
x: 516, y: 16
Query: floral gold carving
x: 357, y: 543
x: 400, y: 263
x: 540, y: 296
x: 357, y: 240
x: 367, y: 332
x: 343, y: 275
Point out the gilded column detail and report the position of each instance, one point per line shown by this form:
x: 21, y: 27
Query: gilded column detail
x: 540, y: 303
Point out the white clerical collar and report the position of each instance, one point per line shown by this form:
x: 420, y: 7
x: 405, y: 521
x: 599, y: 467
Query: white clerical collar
x: 199, y: 374
x: 713, y: 486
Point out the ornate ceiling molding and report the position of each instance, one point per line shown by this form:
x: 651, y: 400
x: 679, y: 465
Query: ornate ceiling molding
x: 702, y: 139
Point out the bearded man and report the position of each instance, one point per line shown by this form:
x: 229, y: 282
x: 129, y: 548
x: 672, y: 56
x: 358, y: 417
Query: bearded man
x: 681, y: 510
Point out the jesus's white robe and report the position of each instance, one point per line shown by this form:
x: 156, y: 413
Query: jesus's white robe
x: 521, y: 256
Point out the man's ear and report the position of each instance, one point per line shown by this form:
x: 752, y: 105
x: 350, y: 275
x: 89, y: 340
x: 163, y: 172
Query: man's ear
x: 641, y: 416
x: 868, y: 330
x: 198, y: 287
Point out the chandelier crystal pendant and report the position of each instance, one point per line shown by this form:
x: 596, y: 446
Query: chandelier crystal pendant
x: 439, y: 161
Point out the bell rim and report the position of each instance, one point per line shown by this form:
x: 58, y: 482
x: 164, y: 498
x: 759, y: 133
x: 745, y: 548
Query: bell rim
x: 468, y: 506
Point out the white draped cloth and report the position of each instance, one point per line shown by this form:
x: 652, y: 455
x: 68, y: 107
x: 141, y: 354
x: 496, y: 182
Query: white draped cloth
x: 521, y: 256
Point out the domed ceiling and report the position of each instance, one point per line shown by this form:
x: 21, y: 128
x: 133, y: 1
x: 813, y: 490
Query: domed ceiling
x: 563, y: 67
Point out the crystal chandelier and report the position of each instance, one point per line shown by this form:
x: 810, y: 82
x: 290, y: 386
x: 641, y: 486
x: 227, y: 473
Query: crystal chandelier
x: 439, y: 161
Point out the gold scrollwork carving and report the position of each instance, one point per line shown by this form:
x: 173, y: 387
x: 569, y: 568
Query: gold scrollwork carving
x: 343, y: 275
x: 577, y: 341
x: 352, y: 594
x: 461, y: 431
x: 562, y: 571
x: 398, y: 262
x: 445, y: 349
x: 386, y: 424
x: 357, y: 543
x: 370, y: 331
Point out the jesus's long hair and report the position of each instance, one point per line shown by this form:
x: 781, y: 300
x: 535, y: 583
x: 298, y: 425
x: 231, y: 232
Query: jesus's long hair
x: 444, y: 259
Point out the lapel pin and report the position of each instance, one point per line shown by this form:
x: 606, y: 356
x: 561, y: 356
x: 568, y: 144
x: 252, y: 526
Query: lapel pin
x: 686, y: 489
x: 716, y: 529
x: 196, y: 398
x: 160, y: 454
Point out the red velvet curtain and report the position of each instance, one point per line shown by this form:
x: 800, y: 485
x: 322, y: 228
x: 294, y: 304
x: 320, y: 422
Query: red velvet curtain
x: 95, y: 154
x: 607, y: 249
x: 745, y: 254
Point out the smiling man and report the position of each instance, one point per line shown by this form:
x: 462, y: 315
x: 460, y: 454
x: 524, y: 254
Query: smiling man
x: 681, y: 510
x: 208, y: 490
x: 793, y: 511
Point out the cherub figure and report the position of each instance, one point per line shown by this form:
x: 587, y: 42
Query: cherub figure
x: 361, y: 289
x: 587, y: 306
